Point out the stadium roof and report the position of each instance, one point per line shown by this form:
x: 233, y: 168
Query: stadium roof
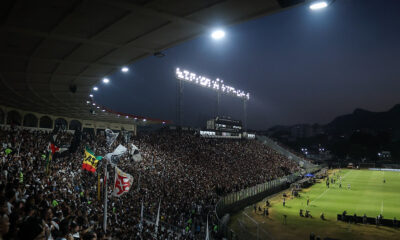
x: 53, y: 52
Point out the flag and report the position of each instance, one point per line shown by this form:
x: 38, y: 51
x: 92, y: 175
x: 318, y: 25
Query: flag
x: 134, y: 152
x: 53, y: 148
x: 158, y: 216
x: 126, y: 135
x: 207, y: 232
x: 110, y: 136
x: 90, y: 161
x: 123, y: 182
x: 116, y: 154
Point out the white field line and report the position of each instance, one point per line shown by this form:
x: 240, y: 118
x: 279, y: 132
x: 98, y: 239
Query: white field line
x: 253, y: 220
x: 322, y: 194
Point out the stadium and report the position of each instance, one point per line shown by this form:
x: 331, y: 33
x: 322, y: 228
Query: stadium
x: 75, y: 166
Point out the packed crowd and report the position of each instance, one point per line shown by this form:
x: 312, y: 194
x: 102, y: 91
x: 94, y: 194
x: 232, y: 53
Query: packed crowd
x: 186, y: 174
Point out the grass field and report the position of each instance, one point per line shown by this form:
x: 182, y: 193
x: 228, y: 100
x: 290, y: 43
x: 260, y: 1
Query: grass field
x: 368, y: 194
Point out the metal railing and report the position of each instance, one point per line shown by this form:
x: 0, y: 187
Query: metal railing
x: 235, y: 201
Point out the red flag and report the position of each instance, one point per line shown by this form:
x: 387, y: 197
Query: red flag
x: 53, y: 148
x: 123, y: 182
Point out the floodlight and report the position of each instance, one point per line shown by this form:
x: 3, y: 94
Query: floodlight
x: 106, y: 80
x: 216, y: 85
x: 144, y: 120
x: 103, y: 110
x: 318, y: 5
x: 95, y: 88
x: 91, y: 95
x: 87, y: 102
x: 94, y: 104
x: 124, y: 69
x: 126, y: 117
x: 98, y: 107
x: 218, y: 34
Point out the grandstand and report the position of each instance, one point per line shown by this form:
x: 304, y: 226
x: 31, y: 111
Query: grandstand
x: 52, y: 131
x: 74, y: 169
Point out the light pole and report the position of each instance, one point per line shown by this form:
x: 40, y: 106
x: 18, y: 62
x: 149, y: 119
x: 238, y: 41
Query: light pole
x: 245, y: 114
x: 179, y: 93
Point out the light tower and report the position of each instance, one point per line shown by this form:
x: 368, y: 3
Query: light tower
x: 217, y: 85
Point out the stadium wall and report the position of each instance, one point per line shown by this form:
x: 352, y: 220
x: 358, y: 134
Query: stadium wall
x: 33, y: 120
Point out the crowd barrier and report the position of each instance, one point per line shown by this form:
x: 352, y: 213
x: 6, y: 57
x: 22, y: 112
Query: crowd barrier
x: 368, y: 220
x: 238, y: 200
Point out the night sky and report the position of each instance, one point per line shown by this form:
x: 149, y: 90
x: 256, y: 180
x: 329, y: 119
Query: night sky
x: 300, y: 66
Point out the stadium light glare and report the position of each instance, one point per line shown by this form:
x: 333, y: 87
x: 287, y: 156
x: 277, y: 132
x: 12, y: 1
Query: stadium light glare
x: 95, y: 88
x: 106, y: 80
x: 87, y: 102
x: 91, y: 95
x: 318, y: 5
x: 103, y: 110
x: 144, y: 120
x: 98, y: 107
x: 94, y: 104
x: 218, y: 34
x: 124, y: 69
x: 216, y: 85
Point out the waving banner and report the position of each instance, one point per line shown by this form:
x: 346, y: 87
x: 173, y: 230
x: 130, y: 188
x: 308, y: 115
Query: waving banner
x: 90, y: 161
x: 122, y: 183
x: 110, y: 136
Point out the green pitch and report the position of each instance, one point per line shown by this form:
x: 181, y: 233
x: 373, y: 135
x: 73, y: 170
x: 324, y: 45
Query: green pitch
x: 368, y: 194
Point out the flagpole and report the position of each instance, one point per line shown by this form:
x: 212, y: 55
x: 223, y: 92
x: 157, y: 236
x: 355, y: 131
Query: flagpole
x: 138, y: 188
x: 158, y: 216
x: 19, y: 147
x: 207, y: 232
x: 105, y: 196
x: 141, y: 217
x: 98, y: 187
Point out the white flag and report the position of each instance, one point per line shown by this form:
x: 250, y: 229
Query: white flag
x: 120, y: 150
x: 116, y: 154
x: 134, y: 152
x: 110, y: 136
x: 122, y: 183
